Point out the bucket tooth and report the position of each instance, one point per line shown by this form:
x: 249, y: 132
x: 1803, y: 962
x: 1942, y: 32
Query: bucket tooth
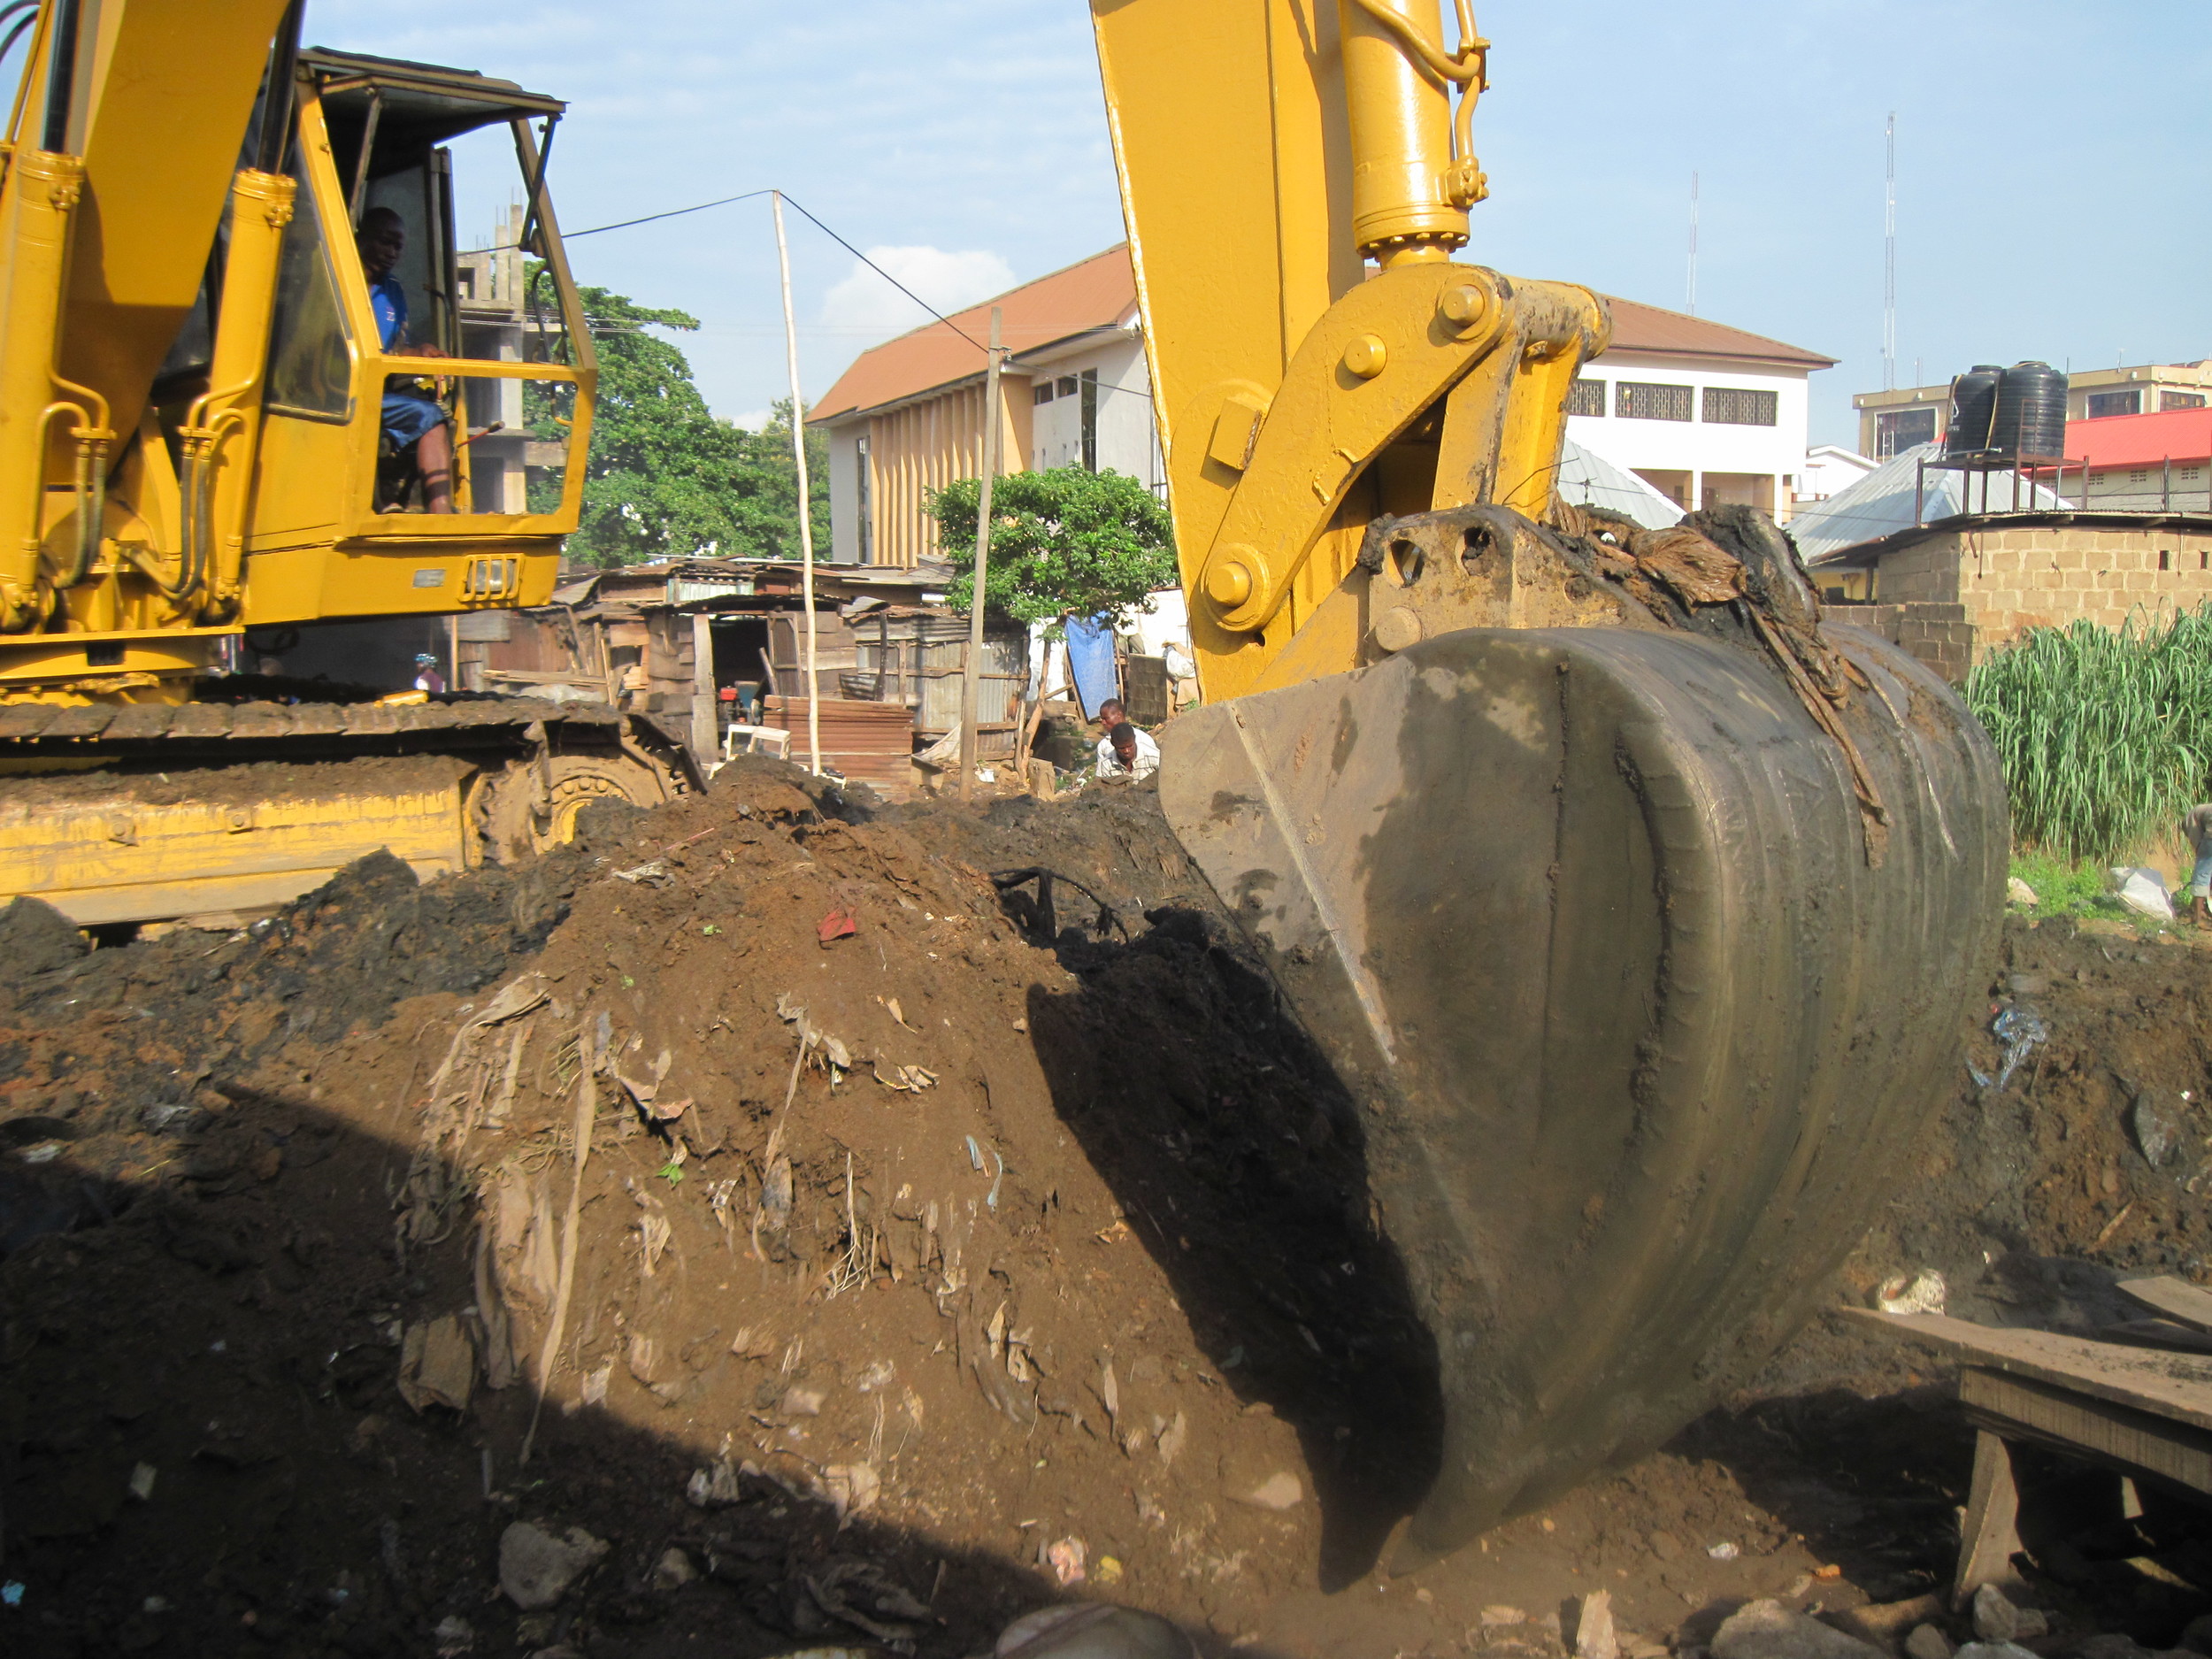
x: 1586, y: 919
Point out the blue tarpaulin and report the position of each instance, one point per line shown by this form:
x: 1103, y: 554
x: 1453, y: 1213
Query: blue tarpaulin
x: 1091, y: 662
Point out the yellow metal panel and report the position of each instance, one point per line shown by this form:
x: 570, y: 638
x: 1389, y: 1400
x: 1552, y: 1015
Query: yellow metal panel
x: 116, y: 858
x: 160, y: 129
x: 307, y: 584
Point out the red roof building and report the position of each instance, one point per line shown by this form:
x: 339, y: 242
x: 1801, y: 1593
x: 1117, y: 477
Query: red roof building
x: 2141, y: 463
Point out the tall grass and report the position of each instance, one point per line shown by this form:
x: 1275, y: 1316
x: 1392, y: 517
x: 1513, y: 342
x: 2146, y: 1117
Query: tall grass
x: 2105, y: 735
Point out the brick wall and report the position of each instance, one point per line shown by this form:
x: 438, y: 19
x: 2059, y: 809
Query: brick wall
x: 1960, y: 593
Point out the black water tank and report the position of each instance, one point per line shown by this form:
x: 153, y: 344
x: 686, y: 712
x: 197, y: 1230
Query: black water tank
x: 2030, y: 423
x: 1973, y: 406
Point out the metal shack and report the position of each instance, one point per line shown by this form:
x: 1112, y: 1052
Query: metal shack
x: 672, y: 638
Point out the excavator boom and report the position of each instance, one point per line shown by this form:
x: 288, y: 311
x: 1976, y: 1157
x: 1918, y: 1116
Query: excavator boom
x: 1633, y: 903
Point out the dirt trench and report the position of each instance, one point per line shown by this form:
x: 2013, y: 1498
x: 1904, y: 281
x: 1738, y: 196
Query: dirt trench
x: 942, y: 1251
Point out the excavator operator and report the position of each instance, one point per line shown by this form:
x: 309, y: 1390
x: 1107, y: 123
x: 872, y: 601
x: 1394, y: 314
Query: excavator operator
x: 411, y: 419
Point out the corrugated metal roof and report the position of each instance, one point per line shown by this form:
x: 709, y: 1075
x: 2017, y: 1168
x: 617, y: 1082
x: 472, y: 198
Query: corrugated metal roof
x: 1881, y: 504
x: 1101, y: 292
x: 1591, y: 480
x: 2182, y: 434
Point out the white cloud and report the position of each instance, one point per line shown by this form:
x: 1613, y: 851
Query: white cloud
x: 863, y: 302
x: 753, y: 419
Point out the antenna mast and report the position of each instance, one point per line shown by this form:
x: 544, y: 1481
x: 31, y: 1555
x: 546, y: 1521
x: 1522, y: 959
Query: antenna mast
x: 1889, y: 265
x: 1692, y: 244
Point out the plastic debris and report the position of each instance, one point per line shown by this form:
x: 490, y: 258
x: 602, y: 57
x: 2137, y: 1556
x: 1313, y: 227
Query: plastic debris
x: 143, y: 1483
x: 11, y: 1592
x: 2020, y: 1029
x: 44, y: 1152
x: 2144, y: 892
x: 838, y: 924
x: 1066, y: 1559
x: 2018, y: 892
x: 975, y: 1159
x: 1924, y: 1292
x: 1723, y: 1551
x: 1594, y: 1635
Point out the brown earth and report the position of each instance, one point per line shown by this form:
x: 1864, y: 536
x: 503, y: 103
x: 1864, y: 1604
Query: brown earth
x: 942, y: 1257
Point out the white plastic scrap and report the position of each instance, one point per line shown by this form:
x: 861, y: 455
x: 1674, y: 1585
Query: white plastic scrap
x: 2019, y: 1029
x: 1924, y: 1292
x: 2144, y: 892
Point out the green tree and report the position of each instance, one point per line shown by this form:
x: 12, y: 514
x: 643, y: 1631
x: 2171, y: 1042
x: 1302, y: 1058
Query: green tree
x: 666, y: 477
x: 1065, y: 542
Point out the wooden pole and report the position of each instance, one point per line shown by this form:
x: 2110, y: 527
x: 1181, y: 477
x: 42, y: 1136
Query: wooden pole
x: 806, y: 518
x: 971, y: 681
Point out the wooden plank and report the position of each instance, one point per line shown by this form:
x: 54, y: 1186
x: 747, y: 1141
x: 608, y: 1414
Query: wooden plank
x: 1989, y: 1533
x: 2176, y: 1298
x: 2173, y: 1386
x: 2073, y: 1422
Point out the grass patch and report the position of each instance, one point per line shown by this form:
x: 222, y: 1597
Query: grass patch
x: 2065, y: 888
x: 2104, y: 735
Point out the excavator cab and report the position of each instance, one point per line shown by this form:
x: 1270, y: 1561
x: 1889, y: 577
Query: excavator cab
x: 219, y: 450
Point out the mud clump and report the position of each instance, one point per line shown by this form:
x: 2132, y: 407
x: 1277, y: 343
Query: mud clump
x: 873, y: 1225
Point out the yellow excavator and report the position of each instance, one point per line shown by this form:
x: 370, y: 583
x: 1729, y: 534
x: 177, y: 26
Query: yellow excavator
x: 198, y: 454
x: 1638, y: 909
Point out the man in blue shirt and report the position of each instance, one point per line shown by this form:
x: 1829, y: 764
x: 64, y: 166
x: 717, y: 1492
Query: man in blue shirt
x: 410, y: 417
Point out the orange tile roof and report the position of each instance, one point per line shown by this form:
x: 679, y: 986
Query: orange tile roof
x: 1098, y: 293
x: 1641, y: 327
x: 1101, y: 292
x: 2179, y: 434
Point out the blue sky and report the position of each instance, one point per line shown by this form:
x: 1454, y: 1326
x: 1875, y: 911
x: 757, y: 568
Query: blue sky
x: 2054, y: 167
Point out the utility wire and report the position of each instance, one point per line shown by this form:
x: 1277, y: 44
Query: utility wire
x: 678, y: 212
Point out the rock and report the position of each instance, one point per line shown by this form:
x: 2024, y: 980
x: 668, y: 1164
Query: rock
x: 2113, y: 1647
x: 1281, y: 1491
x: 1595, y: 1636
x: 2196, y: 1635
x: 801, y: 1402
x: 536, y: 1569
x: 1767, y: 1630
x: 1995, y: 1618
x: 1666, y: 1546
x: 714, y: 1486
x: 1885, y: 1623
x: 1502, y: 1615
x: 1927, y: 1642
x: 673, y: 1570
x: 1993, y: 1650
x: 2155, y: 1131
x: 2018, y: 892
x: 2030, y: 1622
x: 1091, y: 1630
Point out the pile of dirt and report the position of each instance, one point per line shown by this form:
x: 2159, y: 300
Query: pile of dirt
x: 958, y: 1224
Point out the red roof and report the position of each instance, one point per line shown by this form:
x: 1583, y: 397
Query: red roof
x: 1098, y: 293
x: 2179, y: 434
x: 1641, y: 327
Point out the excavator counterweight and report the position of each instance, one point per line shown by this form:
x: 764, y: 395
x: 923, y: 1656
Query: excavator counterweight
x: 1637, y: 907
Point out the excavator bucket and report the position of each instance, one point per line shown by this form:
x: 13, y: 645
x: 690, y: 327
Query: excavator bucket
x: 1638, y: 1004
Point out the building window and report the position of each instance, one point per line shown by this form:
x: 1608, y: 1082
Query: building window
x: 2181, y: 400
x: 2165, y: 558
x: 1898, y: 430
x: 1736, y: 406
x: 2140, y: 475
x: 1067, y: 386
x: 1642, y: 400
x: 2127, y: 402
x: 1586, y: 397
x: 1089, y: 388
x: 1041, y: 393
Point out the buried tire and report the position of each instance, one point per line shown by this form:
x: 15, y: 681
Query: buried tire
x: 532, y: 807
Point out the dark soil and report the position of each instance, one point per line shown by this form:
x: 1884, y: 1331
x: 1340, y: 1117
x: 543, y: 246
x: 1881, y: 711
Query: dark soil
x: 1058, y: 1248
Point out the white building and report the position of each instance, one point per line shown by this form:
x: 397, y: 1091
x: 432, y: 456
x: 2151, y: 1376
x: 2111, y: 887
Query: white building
x: 1706, y: 414
x: 1703, y: 414
x: 1829, y: 469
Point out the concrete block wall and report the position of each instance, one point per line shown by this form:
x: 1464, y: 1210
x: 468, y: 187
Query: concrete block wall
x: 1964, y: 592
